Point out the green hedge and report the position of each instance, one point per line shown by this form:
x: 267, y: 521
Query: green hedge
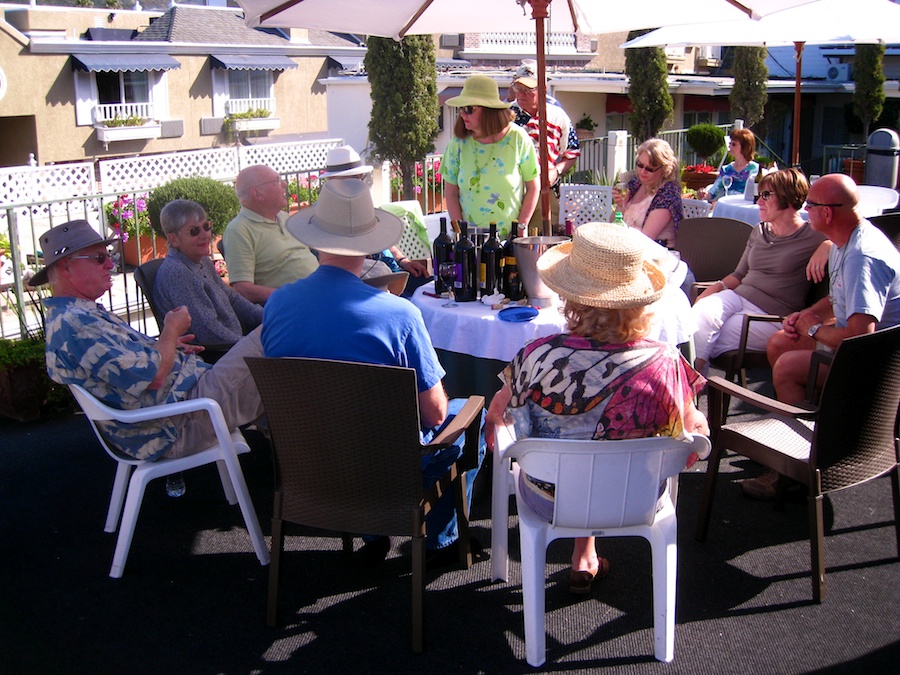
x: 219, y: 200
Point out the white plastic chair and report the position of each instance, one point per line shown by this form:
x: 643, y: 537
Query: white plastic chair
x: 695, y: 208
x: 603, y: 489
x: 224, y: 454
x: 585, y: 203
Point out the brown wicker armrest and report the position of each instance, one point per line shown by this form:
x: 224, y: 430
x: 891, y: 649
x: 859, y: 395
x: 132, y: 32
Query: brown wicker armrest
x: 470, y: 413
x: 719, y: 385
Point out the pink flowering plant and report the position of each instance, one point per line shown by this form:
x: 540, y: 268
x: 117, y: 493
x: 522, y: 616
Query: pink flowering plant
x: 303, y: 190
x: 427, y: 178
x: 128, y: 216
x: 221, y: 268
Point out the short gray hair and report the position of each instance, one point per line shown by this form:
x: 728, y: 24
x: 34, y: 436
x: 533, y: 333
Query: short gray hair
x: 179, y: 211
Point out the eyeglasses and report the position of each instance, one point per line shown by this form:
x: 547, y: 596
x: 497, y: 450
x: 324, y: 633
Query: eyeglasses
x: 812, y: 205
x: 99, y: 258
x: 468, y: 109
x: 279, y: 180
x: 194, y: 231
x: 766, y: 195
x: 651, y: 169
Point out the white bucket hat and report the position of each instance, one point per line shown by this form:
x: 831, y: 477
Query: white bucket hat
x: 344, y: 161
x: 344, y: 222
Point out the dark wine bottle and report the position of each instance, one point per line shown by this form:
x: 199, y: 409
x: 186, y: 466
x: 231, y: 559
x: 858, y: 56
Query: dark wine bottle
x: 465, y: 288
x: 489, y: 265
x: 443, y: 252
x: 511, y: 283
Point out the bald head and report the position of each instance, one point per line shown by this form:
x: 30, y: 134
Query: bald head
x: 261, y: 190
x: 832, y: 206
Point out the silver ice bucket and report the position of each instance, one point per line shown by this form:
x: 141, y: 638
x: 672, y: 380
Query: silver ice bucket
x: 528, y: 250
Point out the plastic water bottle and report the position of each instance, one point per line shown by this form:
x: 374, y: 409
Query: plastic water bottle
x: 620, y: 219
x: 175, y: 485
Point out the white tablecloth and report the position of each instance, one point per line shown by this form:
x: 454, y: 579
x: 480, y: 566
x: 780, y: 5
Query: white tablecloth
x: 873, y: 201
x: 738, y: 208
x: 473, y: 328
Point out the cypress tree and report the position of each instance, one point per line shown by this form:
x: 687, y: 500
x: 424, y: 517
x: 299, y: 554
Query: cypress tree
x: 403, y: 80
x: 868, y: 98
x: 648, y: 89
x: 748, y: 96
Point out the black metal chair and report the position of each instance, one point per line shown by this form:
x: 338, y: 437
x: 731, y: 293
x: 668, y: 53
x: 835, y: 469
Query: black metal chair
x: 348, y: 458
x: 850, y: 438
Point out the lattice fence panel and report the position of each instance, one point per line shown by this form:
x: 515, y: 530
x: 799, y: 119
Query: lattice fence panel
x: 149, y: 171
x: 289, y: 157
x: 24, y: 184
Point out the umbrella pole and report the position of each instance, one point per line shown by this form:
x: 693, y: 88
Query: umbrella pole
x: 795, y: 132
x: 539, y: 14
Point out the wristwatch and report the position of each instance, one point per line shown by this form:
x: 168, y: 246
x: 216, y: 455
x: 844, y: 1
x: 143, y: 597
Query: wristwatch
x: 813, y: 330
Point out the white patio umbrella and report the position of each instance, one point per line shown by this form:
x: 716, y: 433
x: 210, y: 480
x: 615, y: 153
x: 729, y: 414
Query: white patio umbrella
x: 397, y: 18
x: 824, y: 22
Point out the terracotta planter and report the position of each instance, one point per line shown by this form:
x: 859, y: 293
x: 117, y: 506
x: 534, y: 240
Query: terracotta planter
x: 23, y: 391
x: 436, y: 203
x: 130, y: 249
x: 697, y: 181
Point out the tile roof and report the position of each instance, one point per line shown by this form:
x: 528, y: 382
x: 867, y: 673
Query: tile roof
x: 204, y: 25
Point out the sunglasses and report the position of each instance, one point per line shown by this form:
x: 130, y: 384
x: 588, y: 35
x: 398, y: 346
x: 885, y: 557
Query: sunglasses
x: 647, y: 168
x: 194, y: 231
x: 99, y: 258
x: 812, y: 205
x: 468, y: 109
x: 766, y: 195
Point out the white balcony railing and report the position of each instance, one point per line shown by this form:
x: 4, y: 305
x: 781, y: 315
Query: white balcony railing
x: 242, y: 105
x: 526, y: 42
x: 109, y: 111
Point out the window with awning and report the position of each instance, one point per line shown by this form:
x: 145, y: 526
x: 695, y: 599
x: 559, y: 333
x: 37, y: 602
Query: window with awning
x: 123, y: 63
x: 251, y: 62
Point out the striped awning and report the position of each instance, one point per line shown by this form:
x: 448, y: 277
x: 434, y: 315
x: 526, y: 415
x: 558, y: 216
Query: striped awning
x: 123, y: 63
x: 251, y: 62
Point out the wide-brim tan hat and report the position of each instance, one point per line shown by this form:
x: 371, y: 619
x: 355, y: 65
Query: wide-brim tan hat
x: 603, y: 266
x: 344, y: 222
x: 64, y: 240
x: 479, y: 90
x: 344, y: 161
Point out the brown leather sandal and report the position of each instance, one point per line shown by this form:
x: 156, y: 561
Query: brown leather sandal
x: 580, y: 582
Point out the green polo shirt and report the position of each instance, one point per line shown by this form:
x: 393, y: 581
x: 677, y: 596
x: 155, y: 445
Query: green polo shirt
x: 263, y: 252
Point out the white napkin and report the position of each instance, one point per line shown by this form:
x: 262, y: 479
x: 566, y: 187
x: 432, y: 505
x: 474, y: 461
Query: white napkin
x: 494, y: 299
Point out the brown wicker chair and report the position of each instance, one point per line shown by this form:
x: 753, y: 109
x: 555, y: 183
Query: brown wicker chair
x: 711, y: 247
x: 348, y: 458
x: 850, y: 438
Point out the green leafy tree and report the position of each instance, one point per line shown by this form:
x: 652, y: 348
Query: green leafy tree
x: 84, y: 3
x: 868, y: 98
x: 749, y: 94
x: 648, y: 89
x: 403, y: 77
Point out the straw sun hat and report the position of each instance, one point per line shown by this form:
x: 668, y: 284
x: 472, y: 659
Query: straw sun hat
x: 603, y: 266
x: 479, y: 90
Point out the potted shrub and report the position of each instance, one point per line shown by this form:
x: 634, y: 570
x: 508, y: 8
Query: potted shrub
x: 584, y: 128
x: 706, y: 140
x: 26, y: 391
x: 219, y: 201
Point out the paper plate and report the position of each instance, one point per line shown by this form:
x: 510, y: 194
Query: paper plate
x: 517, y: 314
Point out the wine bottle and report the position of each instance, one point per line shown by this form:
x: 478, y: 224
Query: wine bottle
x: 443, y: 252
x: 489, y: 264
x: 511, y: 285
x: 465, y: 288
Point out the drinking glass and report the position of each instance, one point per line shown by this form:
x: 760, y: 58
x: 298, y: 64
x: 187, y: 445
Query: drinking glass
x: 447, y: 272
x: 727, y: 181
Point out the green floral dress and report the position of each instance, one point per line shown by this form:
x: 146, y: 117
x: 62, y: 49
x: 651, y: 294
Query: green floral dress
x: 491, y: 176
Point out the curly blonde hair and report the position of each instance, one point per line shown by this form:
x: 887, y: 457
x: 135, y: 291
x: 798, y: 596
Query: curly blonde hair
x: 607, y: 325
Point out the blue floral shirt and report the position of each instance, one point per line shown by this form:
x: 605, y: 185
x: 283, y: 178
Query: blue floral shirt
x: 90, y: 346
x: 739, y: 180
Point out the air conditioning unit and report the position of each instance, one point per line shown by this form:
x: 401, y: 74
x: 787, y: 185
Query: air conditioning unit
x: 839, y: 72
